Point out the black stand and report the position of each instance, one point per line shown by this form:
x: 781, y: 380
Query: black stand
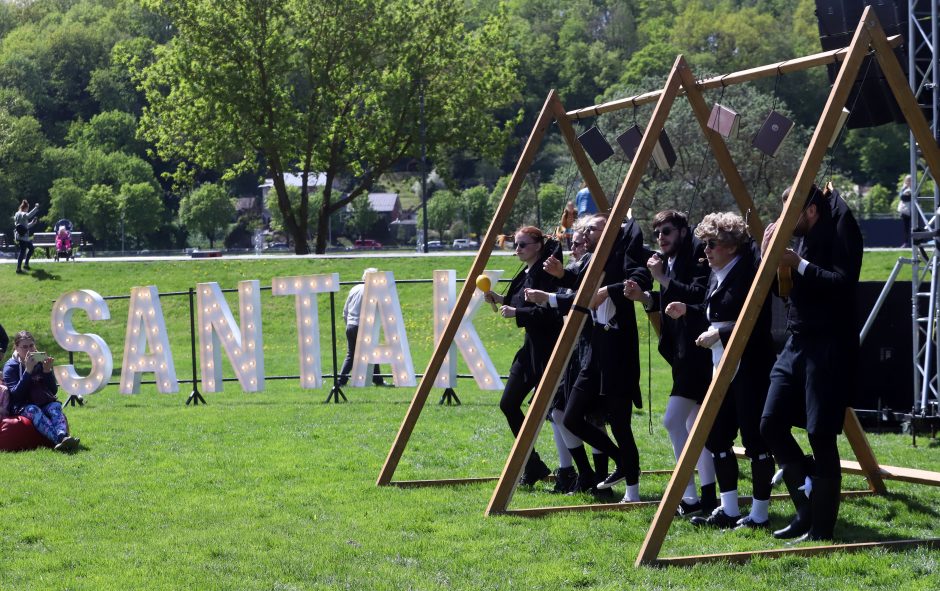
x: 335, y: 392
x: 74, y: 399
x: 194, y: 397
x: 450, y: 397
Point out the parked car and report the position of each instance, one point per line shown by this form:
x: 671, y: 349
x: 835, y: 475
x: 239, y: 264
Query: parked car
x: 435, y: 245
x: 277, y: 246
x: 367, y: 244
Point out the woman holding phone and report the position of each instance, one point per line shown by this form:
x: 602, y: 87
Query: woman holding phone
x: 28, y: 375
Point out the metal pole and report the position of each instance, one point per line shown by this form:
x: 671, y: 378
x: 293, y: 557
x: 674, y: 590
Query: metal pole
x: 335, y: 392
x: 195, y: 397
x: 424, y: 170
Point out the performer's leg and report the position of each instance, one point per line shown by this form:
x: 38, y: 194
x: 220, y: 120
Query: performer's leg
x: 675, y: 420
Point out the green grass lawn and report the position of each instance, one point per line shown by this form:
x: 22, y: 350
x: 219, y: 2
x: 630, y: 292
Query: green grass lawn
x: 276, y: 490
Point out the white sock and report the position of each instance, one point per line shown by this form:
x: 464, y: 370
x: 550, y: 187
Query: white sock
x: 759, y: 510
x: 633, y: 493
x: 691, y: 493
x: 729, y: 503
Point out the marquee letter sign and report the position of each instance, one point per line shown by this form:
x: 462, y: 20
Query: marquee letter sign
x: 69, y: 339
x: 381, y: 311
x: 146, y: 329
x: 305, y: 290
x: 242, y: 343
x: 467, y: 340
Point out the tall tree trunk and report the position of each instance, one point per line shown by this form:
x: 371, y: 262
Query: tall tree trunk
x: 323, y: 219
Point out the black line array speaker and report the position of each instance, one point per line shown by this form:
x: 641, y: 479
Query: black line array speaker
x: 871, y: 102
x: 886, y: 362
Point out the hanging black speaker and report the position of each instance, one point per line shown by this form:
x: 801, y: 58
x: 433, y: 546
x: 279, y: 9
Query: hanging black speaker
x: 871, y: 101
x: 596, y: 145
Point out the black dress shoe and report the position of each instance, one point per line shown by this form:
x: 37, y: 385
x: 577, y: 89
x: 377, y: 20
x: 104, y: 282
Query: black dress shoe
x: 797, y: 528
x: 534, y: 471
x: 749, y: 523
x: 566, y: 480
x: 605, y: 495
x: 718, y: 519
x: 617, y: 477
x: 686, y: 509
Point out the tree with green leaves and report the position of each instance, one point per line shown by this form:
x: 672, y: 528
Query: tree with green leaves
x: 208, y: 210
x: 140, y: 209
x: 362, y: 218
x: 475, y: 203
x: 324, y: 86
x: 443, y: 209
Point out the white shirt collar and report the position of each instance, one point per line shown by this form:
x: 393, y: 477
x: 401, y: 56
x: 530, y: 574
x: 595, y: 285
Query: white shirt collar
x: 722, y: 273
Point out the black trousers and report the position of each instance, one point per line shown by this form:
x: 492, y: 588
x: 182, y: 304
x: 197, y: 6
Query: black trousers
x: 26, y: 252
x: 352, y: 333
x: 618, y: 411
x: 809, y: 387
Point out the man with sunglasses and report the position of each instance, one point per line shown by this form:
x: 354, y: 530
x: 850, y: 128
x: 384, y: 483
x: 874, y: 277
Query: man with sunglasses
x: 814, y: 376
x: 682, y: 274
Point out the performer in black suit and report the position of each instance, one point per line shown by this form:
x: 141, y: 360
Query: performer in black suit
x: 682, y: 273
x: 541, y: 331
x: 734, y: 259
x: 814, y: 377
x: 586, y: 232
x: 611, y: 372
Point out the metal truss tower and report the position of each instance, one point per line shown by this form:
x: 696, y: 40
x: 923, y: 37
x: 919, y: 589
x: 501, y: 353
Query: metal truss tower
x: 923, y: 64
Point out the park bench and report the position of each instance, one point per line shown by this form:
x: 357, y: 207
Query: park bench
x: 46, y: 241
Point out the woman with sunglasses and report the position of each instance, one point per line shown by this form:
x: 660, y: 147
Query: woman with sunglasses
x: 541, y: 325
x: 734, y: 258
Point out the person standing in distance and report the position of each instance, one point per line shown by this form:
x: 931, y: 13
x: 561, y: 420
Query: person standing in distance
x: 351, y: 318
x: 23, y: 221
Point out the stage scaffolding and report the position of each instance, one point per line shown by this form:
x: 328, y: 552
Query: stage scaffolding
x: 923, y: 60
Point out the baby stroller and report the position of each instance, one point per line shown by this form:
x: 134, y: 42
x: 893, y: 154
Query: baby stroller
x: 63, y: 240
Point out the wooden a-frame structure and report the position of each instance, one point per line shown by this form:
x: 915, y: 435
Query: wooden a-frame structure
x: 868, y: 37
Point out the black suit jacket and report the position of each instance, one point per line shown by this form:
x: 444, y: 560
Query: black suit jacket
x: 688, y: 282
x: 725, y: 302
x: 541, y: 324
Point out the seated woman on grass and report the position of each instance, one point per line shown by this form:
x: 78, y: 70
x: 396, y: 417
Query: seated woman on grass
x: 28, y: 375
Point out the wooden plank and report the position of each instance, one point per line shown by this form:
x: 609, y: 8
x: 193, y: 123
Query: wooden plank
x: 575, y: 319
x: 779, y: 68
x: 478, y: 479
x: 542, y: 124
x: 755, y: 298
x: 440, y: 482
x: 615, y: 506
x: 863, y: 452
x: 741, y: 557
x: 905, y: 98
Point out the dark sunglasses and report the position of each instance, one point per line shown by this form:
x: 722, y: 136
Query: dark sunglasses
x: 667, y: 231
x: 523, y: 244
x: 711, y: 243
x: 576, y: 244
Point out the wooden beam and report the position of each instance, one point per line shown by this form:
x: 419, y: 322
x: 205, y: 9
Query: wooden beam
x: 905, y: 97
x: 863, y: 452
x: 575, y: 319
x: 779, y: 68
x: 542, y: 124
x: 614, y: 506
x: 755, y: 298
x: 741, y: 557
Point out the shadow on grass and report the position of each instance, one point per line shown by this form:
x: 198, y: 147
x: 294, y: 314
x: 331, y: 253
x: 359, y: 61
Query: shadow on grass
x: 910, y: 503
x: 43, y: 275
